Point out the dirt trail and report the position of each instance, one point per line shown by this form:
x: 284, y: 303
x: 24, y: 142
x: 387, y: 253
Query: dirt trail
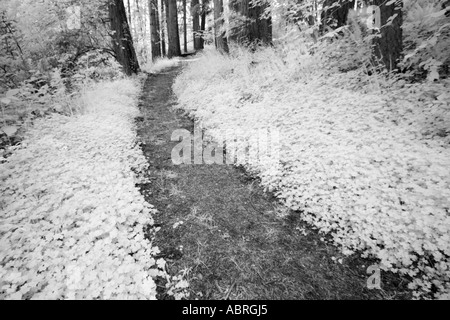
x: 236, y: 241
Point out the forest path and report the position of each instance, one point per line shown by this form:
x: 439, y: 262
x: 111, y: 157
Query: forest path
x: 235, y: 241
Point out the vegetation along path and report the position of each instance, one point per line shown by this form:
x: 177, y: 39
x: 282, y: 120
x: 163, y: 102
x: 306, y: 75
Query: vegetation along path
x: 229, y: 238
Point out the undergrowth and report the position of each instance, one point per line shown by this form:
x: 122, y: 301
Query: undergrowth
x: 160, y: 64
x: 364, y: 157
x: 72, y: 219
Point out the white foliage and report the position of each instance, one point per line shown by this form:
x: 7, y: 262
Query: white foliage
x: 370, y: 169
x: 71, y: 217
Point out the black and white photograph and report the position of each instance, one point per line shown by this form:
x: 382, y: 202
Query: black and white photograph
x: 225, y: 156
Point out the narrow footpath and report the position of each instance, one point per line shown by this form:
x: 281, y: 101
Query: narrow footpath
x: 232, y: 239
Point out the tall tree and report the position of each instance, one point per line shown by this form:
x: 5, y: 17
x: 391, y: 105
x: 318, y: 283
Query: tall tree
x: 129, y: 12
x: 172, y: 29
x: 139, y: 18
x: 260, y: 27
x: 154, y: 29
x: 219, y: 29
x: 204, y: 10
x: 195, y: 10
x: 389, y: 46
x: 162, y: 27
x: 121, y: 38
x: 184, y: 27
x: 141, y: 35
x: 255, y: 25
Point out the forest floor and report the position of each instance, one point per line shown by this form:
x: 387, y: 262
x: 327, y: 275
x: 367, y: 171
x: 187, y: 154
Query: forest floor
x: 229, y: 238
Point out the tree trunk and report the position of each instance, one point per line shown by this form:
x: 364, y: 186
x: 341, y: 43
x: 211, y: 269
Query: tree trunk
x: 389, y: 46
x: 184, y: 26
x: 163, y: 27
x: 121, y: 39
x: 154, y: 29
x: 195, y: 9
x: 142, y: 49
x: 219, y: 31
x: 139, y: 18
x: 255, y: 28
x: 174, y: 49
x: 203, y: 24
x: 334, y: 14
x: 129, y: 12
x: 259, y: 28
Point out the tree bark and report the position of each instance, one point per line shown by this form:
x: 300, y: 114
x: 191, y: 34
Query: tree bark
x: 154, y: 29
x: 389, y: 46
x: 255, y: 27
x: 163, y: 27
x: 259, y: 28
x: 121, y: 38
x: 184, y: 27
x: 174, y: 49
x: 203, y: 24
x: 139, y: 18
x: 129, y: 12
x: 141, y: 34
x: 219, y: 32
x: 195, y: 9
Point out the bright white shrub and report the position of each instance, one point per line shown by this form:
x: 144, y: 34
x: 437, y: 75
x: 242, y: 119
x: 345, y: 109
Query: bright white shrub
x: 371, y: 170
x: 71, y: 222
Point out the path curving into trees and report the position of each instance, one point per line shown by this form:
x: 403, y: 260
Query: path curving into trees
x: 229, y: 238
